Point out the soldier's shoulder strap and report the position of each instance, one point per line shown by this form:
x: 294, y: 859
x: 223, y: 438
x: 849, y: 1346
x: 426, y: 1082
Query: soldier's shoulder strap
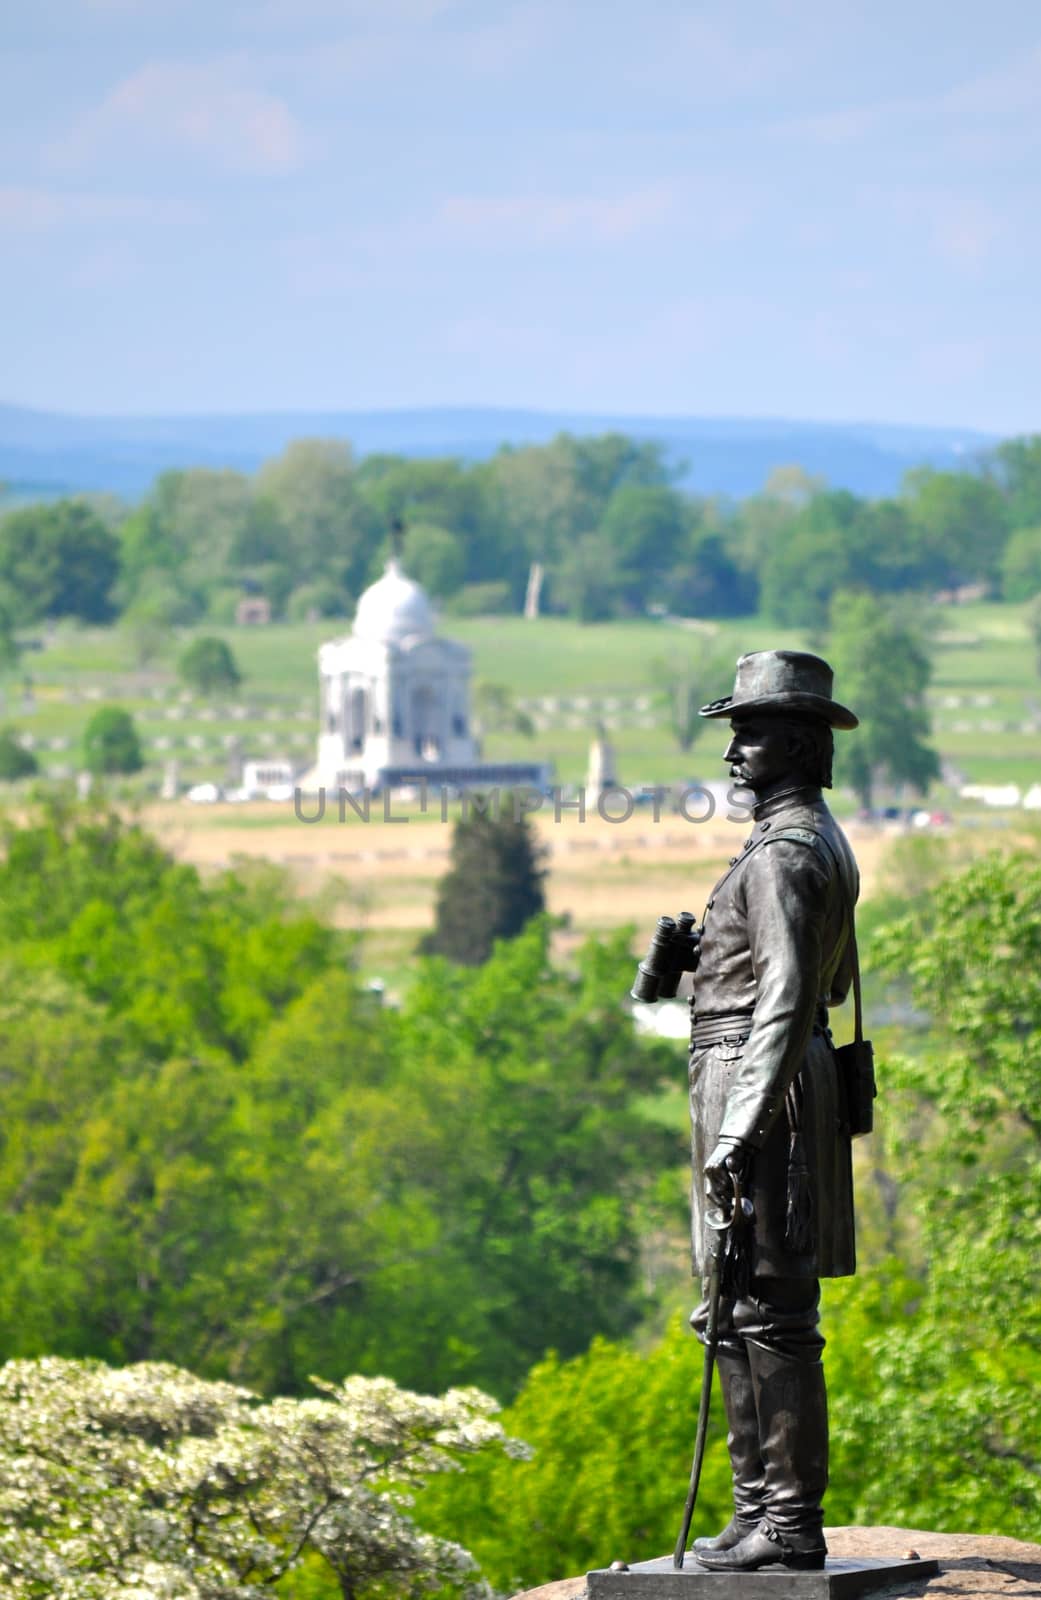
x: 808, y: 836
x: 815, y: 840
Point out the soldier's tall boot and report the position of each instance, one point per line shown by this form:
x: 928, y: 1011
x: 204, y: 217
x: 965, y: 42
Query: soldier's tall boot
x: 735, y: 1378
x: 792, y: 1407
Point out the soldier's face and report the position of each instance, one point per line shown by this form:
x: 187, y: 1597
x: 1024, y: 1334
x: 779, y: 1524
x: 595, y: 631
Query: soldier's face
x: 758, y: 751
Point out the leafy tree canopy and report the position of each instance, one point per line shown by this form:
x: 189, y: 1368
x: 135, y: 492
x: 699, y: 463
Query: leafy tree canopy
x: 1018, y: 467
x: 208, y: 666
x: 58, y: 560
x: 435, y: 558
x: 15, y: 760
x: 493, y: 885
x: 227, y: 1153
x: 883, y: 667
x: 111, y: 743
x: 960, y: 520
x: 1021, y: 565
x: 151, y: 1481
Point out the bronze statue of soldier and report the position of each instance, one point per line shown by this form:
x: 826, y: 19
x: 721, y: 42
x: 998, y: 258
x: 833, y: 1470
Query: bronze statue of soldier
x: 769, y: 1116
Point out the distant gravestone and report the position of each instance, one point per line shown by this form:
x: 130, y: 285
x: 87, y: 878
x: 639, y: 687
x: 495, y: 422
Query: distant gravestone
x: 171, y: 784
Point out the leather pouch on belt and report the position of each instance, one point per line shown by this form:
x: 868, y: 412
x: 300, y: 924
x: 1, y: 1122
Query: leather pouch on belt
x: 856, y: 1064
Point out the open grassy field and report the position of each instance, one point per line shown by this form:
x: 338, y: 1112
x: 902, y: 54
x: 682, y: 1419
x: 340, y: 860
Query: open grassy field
x: 986, y: 696
x: 380, y: 878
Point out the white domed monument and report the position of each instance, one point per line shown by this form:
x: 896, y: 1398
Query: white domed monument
x: 395, y: 700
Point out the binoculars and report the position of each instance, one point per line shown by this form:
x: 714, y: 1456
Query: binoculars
x: 673, y: 950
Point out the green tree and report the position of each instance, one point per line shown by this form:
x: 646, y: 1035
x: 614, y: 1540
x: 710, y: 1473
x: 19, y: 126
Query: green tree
x: 152, y: 1481
x: 803, y: 570
x: 589, y: 582
x: 111, y: 743
x: 492, y: 887
x: 882, y: 670
x: 1017, y: 463
x: 59, y: 560
x: 208, y: 666
x: 1021, y: 565
x: 763, y: 520
x: 967, y: 1133
x: 549, y: 1156
x: 145, y: 623
x: 319, y: 599
x: 684, y: 683
x: 708, y: 582
x: 642, y: 530
x: 9, y: 652
x: 435, y: 558
x: 611, y: 1433
x: 534, y: 497
x: 228, y: 1153
x: 316, y: 521
x: 432, y: 493
x: 186, y: 533
x: 960, y: 521
x: 15, y: 760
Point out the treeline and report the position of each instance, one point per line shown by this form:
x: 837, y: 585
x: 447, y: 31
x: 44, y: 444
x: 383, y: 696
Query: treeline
x: 603, y: 516
x: 219, y: 1149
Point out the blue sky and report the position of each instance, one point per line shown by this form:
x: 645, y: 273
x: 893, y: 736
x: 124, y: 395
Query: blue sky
x: 801, y: 208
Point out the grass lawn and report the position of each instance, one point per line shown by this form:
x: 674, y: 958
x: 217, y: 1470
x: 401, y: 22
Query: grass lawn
x: 986, y: 696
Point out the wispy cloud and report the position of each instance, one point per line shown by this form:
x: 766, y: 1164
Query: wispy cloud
x: 211, y: 110
x: 538, y: 218
x: 1004, y: 93
x: 389, y: 13
x: 714, y: 59
x: 36, y: 209
x: 388, y: 43
x: 964, y: 230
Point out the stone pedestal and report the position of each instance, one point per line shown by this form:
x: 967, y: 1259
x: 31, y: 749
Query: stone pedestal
x: 842, y: 1578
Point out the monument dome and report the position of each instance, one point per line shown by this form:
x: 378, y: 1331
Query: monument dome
x: 395, y: 700
x: 393, y: 609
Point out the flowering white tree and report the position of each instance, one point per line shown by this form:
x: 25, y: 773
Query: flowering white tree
x: 147, y: 1483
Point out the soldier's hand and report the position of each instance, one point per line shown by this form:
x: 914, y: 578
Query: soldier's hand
x: 728, y: 1159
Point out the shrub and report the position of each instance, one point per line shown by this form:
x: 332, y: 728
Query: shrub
x: 15, y: 760
x: 110, y: 743
x: 209, y: 667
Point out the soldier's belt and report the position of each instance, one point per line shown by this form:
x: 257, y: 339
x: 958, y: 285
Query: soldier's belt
x: 731, y: 1027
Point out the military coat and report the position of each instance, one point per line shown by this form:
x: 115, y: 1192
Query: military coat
x: 775, y: 954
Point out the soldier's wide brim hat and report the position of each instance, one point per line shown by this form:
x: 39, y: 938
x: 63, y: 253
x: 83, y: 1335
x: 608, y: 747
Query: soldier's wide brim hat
x: 771, y: 682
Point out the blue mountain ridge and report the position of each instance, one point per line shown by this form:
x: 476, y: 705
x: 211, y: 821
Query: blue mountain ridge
x: 50, y: 453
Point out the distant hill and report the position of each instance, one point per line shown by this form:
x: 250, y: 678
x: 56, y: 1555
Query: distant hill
x: 44, y: 453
